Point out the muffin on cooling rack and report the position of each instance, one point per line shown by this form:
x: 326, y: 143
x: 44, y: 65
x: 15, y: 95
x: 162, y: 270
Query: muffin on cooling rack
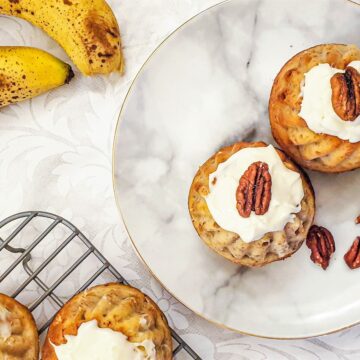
x: 251, y: 204
x: 315, y: 108
x: 111, y: 322
x: 18, y: 334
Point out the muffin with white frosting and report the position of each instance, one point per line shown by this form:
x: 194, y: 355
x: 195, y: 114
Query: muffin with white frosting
x: 251, y: 204
x: 18, y: 334
x: 315, y: 108
x: 109, y: 322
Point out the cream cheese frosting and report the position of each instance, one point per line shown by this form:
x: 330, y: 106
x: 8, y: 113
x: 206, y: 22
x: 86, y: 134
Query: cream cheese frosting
x: 96, y: 343
x: 287, y: 193
x: 316, y: 106
x: 5, y: 326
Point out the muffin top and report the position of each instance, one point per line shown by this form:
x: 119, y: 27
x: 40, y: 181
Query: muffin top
x: 331, y: 100
x: 285, y: 191
x: 314, y: 108
x: 251, y: 204
x: 109, y: 320
x: 18, y: 333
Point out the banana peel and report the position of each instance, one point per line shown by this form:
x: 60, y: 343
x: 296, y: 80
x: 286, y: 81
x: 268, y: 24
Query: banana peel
x: 86, y: 29
x: 27, y: 72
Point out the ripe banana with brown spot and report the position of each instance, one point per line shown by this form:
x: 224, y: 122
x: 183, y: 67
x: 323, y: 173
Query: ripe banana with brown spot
x: 86, y: 29
x: 27, y: 72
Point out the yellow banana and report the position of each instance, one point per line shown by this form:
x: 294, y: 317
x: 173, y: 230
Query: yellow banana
x: 86, y: 29
x: 27, y: 72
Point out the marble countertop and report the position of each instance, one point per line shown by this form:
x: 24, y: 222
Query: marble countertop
x: 56, y: 155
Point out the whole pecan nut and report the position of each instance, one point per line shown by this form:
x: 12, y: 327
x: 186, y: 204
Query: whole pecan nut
x: 322, y: 245
x: 352, y: 257
x: 254, y: 190
x: 346, y: 94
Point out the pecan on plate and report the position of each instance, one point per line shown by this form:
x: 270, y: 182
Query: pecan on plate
x: 322, y: 245
x: 254, y: 190
x: 346, y: 94
x: 352, y: 257
x: 357, y: 220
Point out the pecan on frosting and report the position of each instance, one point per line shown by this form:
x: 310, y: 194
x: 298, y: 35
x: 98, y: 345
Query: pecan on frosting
x: 254, y: 190
x: 346, y: 94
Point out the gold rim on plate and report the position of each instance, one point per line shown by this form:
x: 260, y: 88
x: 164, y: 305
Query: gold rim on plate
x: 117, y: 201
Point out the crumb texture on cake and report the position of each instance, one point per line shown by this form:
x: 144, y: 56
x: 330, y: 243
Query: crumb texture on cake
x: 272, y: 246
x: 23, y: 342
x: 314, y: 151
x: 115, y: 306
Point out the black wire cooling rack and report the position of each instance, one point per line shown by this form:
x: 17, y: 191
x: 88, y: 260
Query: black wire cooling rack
x: 45, y: 291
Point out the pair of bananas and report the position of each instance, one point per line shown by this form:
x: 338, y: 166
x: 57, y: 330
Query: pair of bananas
x: 86, y: 29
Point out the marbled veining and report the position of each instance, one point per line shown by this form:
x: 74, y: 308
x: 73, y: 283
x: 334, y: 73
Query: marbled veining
x: 208, y: 86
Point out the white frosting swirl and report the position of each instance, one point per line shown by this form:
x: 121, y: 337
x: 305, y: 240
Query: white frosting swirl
x: 316, y: 106
x: 287, y: 192
x: 97, y: 343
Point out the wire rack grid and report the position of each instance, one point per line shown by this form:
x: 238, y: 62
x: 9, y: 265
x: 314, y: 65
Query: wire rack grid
x: 21, y: 263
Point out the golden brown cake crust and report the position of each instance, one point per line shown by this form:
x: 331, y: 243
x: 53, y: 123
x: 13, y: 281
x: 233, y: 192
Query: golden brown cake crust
x: 23, y: 344
x: 314, y: 151
x: 115, y: 306
x: 272, y: 246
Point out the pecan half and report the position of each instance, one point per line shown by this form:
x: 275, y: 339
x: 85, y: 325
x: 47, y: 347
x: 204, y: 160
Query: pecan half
x: 322, y: 245
x: 346, y: 94
x: 352, y: 257
x: 357, y: 220
x: 254, y: 190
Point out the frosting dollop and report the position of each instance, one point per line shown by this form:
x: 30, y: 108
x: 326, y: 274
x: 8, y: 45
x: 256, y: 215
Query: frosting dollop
x: 96, y: 343
x: 287, y: 192
x: 316, y: 106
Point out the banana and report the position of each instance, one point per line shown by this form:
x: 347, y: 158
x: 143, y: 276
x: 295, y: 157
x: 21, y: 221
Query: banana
x: 86, y: 29
x: 27, y: 72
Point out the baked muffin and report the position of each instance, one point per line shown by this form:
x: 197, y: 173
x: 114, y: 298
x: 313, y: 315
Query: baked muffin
x: 251, y: 204
x: 112, y: 320
x: 18, y: 334
x: 314, y: 108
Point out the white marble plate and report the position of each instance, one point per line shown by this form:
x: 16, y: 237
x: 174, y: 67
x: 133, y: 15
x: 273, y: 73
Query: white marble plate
x: 207, y: 86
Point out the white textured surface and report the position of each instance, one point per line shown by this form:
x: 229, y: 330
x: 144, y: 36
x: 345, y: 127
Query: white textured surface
x: 56, y: 156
